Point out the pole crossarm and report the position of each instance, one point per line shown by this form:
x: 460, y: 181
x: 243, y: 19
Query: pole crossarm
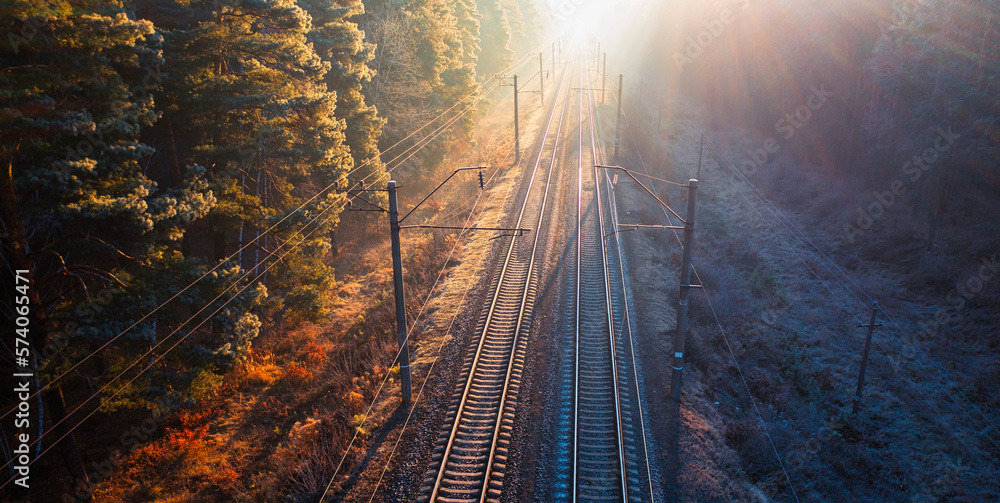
x: 633, y: 227
x: 522, y: 84
x: 632, y: 176
x: 422, y: 201
x: 355, y: 194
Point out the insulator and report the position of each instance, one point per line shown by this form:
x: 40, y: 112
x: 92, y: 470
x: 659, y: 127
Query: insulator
x: 347, y: 205
x: 482, y: 181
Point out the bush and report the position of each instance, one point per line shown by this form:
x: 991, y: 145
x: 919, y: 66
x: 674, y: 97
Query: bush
x: 314, y: 354
x: 760, y: 384
x: 259, y: 368
x: 295, y: 376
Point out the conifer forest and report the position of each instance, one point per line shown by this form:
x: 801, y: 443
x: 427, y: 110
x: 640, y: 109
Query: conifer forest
x: 499, y: 251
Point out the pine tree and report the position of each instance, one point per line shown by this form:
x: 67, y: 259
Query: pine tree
x: 78, y: 211
x: 532, y: 23
x: 495, y: 37
x: 251, y: 92
x: 338, y: 40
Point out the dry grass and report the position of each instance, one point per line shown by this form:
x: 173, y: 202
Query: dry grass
x: 259, y: 369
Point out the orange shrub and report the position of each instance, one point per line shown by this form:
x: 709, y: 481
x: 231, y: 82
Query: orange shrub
x: 195, y: 419
x: 314, y: 354
x: 296, y: 375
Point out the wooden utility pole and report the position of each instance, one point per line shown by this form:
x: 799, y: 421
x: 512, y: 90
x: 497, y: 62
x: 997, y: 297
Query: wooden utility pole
x: 864, y: 357
x: 680, y: 335
x: 618, y: 122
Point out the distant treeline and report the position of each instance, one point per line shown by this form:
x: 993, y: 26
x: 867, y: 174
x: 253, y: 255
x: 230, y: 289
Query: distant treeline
x: 910, y: 109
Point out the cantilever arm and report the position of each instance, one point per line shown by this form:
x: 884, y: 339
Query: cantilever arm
x: 379, y: 208
x: 629, y: 173
x: 455, y: 228
x: 634, y: 227
x: 422, y: 201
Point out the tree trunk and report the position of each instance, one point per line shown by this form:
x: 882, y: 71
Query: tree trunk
x: 218, y: 239
x: 172, y: 148
x: 67, y: 447
x: 38, y: 329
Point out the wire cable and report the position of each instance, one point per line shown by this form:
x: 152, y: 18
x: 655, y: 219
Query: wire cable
x: 408, y: 333
x: 160, y: 357
x: 268, y: 230
x: 626, y: 319
x: 722, y: 330
x: 427, y: 377
x: 824, y: 259
x: 786, y: 223
x: 430, y: 370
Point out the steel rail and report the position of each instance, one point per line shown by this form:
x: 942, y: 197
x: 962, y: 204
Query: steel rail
x: 506, y: 272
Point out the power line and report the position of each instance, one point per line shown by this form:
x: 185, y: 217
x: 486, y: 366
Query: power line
x: 409, y: 332
x: 803, y: 240
x: 433, y: 363
x: 412, y: 328
x: 786, y: 224
x: 155, y: 361
x: 722, y: 330
x: 275, y: 225
x: 626, y: 318
x: 333, y: 184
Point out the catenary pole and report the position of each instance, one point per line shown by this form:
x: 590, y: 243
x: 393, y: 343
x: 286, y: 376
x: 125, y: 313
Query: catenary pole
x: 618, y: 123
x: 397, y: 280
x: 680, y: 335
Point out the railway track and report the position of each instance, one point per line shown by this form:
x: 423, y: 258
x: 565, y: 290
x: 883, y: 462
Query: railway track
x: 599, y: 457
x: 600, y: 453
x: 470, y: 457
x: 610, y: 459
